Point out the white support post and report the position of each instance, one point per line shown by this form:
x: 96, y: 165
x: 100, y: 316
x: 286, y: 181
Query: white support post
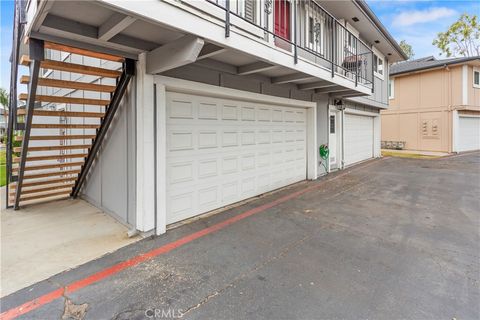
x: 145, y: 165
x: 312, y: 152
x: 455, y: 124
x: 161, y: 156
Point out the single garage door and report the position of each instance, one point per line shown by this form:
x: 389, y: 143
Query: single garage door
x: 222, y: 151
x: 358, y: 138
x: 468, y: 133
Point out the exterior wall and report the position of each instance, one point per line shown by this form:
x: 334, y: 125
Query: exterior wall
x: 110, y: 184
x: 322, y: 127
x: 420, y: 112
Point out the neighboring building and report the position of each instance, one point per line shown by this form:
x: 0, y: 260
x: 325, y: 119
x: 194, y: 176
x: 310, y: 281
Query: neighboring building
x: 3, y: 121
x: 434, y: 105
x: 224, y: 105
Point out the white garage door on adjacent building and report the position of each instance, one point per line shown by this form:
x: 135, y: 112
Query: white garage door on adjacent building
x: 468, y: 133
x: 221, y: 151
x: 359, y: 138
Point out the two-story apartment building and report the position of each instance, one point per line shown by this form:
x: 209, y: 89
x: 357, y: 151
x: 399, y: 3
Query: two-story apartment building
x: 434, y: 105
x: 213, y: 102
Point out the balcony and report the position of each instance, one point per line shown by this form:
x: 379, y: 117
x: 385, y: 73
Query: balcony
x: 306, y: 31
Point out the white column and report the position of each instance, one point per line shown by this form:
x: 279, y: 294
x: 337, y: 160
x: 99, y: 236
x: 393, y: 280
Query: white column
x: 455, y: 124
x: 145, y: 165
x: 161, y: 156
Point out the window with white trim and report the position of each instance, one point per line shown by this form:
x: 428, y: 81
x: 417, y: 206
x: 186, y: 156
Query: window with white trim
x: 391, y: 88
x: 378, y: 66
x: 476, y: 77
x: 315, y: 32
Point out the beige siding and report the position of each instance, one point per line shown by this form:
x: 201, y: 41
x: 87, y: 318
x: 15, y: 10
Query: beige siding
x: 420, y: 113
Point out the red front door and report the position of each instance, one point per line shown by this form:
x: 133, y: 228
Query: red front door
x: 282, y: 18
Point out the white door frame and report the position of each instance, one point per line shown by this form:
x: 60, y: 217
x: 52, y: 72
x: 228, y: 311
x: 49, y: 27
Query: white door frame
x: 338, y: 134
x: 164, y: 84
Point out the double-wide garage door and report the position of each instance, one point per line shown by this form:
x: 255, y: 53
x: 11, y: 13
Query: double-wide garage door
x: 359, y: 136
x: 468, y: 133
x: 222, y: 151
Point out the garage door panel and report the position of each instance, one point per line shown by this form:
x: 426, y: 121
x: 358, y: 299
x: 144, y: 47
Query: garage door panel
x: 468, y: 133
x: 358, y: 138
x: 221, y: 151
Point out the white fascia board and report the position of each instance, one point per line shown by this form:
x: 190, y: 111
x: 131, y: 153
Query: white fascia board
x: 192, y: 87
x: 176, y: 15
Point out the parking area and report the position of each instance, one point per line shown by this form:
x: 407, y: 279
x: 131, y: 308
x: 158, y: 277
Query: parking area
x: 389, y: 239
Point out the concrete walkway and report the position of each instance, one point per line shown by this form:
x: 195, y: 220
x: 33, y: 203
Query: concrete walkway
x: 389, y: 239
x: 42, y: 240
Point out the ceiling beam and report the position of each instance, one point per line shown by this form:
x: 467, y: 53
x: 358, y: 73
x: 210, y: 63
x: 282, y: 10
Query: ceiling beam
x: 114, y: 25
x: 255, y: 67
x: 83, y: 45
x: 291, y: 78
x: 210, y: 50
x: 334, y: 88
x: 66, y: 28
x: 174, y: 54
x: 217, y: 66
x: 315, y: 85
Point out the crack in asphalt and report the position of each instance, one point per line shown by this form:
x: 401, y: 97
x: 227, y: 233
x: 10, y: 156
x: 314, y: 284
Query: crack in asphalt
x: 235, y: 281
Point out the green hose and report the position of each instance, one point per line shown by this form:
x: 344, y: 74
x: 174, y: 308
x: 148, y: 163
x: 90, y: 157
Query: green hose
x: 324, y: 152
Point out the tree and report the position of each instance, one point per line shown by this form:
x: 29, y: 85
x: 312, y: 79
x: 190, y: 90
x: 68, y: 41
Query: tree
x: 462, y: 38
x: 407, y: 49
x: 3, y: 97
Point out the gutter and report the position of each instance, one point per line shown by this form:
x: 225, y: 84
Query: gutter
x: 364, y: 6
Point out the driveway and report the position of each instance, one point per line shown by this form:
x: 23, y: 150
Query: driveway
x: 388, y: 239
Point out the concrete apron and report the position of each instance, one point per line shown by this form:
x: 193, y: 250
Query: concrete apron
x: 40, y: 241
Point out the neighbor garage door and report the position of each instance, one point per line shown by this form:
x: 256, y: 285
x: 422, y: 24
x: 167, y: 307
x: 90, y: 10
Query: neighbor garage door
x: 358, y: 138
x: 222, y: 151
x: 468, y: 133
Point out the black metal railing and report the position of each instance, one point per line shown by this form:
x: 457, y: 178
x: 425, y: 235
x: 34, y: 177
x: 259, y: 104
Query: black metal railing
x: 18, y: 29
x: 308, y: 31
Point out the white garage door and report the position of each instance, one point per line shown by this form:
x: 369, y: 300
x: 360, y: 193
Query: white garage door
x: 222, y: 151
x: 468, y: 133
x: 358, y: 138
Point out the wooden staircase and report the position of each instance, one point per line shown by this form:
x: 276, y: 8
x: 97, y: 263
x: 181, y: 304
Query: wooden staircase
x: 64, y: 121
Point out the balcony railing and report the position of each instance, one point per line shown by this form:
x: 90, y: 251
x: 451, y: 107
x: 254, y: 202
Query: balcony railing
x: 307, y: 31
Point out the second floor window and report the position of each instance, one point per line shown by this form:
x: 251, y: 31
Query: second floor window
x: 476, y: 78
x: 391, y: 89
x: 378, y: 66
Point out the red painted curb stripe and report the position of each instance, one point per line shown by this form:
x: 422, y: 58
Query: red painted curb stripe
x: 105, y: 273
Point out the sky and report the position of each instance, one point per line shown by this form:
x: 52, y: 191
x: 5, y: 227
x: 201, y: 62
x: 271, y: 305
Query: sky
x: 417, y: 22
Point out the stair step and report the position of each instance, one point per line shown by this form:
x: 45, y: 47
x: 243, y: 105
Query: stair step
x: 50, y: 174
x: 53, y: 157
x: 50, y: 166
x: 66, y: 193
x: 64, y: 137
x: 36, y: 190
x: 64, y: 126
x: 43, y: 182
x: 83, y: 52
x: 51, y: 148
x: 45, y: 82
x: 60, y: 99
x: 54, y: 113
x: 73, y: 67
